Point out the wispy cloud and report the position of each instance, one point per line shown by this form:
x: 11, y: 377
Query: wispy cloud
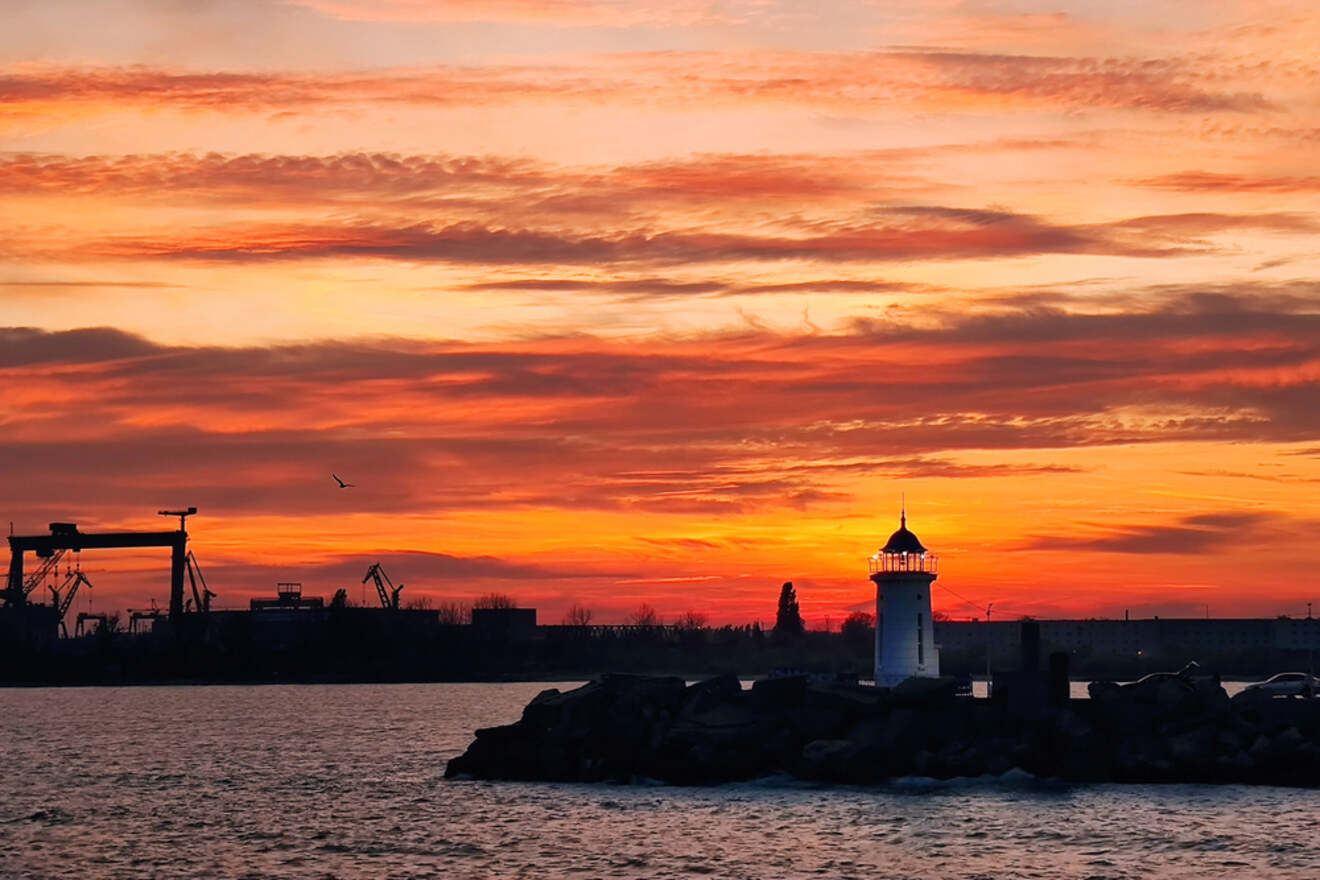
x: 853, y: 81
x: 1218, y: 182
x: 1196, y: 534
x: 901, y: 234
x: 553, y: 13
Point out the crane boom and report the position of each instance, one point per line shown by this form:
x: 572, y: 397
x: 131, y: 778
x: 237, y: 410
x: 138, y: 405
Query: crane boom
x: 201, y: 598
x: 62, y: 596
x: 71, y: 591
x: 385, y: 589
x: 46, y: 567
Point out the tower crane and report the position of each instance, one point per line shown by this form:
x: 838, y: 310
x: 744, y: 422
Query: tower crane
x: 389, y: 594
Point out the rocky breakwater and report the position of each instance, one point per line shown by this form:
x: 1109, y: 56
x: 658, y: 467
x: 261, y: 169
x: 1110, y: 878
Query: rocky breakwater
x: 630, y: 728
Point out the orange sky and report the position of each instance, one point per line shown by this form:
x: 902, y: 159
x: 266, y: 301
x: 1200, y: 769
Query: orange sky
x: 612, y: 302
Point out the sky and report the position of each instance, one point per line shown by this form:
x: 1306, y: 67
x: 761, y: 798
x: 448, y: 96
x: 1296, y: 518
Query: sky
x: 610, y: 302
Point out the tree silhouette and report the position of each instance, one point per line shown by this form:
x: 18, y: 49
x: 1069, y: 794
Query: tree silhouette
x: 577, y: 615
x: 859, y: 629
x: 692, y: 620
x: 495, y: 601
x: 645, y: 615
x: 453, y: 614
x: 788, y: 619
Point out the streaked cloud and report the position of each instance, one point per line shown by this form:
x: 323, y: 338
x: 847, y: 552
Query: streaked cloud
x: 853, y: 81
x: 553, y: 13
x: 1197, y: 534
x: 906, y: 234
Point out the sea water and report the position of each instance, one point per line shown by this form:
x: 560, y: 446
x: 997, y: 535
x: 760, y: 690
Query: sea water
x: 346, y: 781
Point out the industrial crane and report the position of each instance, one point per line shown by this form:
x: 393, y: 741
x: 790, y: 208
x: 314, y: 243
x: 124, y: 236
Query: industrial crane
x: 201, y: 598
x: 134, y: 617
x: 48, y: 568
x: 102, y: 619
x: 62, y: 596
x: 65, y: 536
x: 389, y: 594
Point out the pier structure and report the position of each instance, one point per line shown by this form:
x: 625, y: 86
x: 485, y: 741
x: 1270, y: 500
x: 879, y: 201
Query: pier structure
x: 903, y: 571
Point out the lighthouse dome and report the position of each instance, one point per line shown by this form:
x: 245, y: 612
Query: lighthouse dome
x: 903, y: 541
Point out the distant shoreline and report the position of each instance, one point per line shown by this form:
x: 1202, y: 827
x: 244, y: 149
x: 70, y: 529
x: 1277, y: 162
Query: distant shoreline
x: 547, y: 679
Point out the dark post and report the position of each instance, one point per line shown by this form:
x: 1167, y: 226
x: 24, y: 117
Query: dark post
x: 178, y: 556
x: 14, y: 590
x: 1030, y: 646
x: 1059, y: 692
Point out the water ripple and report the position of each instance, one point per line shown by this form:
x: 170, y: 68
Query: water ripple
x: 346, y: 782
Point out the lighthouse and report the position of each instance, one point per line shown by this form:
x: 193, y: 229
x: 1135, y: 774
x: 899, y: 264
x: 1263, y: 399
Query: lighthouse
x: 903, y: 572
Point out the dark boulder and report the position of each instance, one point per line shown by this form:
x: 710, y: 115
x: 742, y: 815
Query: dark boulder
x: 1164, y: 728
x: 706, y: 694
x: 833, y: 760
x: 778, y: 694
x: 853, y: 702
x: 925, y: 692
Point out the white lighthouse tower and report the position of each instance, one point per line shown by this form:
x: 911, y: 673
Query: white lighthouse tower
x: 903, y: 571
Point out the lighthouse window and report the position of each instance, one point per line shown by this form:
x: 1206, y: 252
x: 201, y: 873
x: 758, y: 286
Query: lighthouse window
x: 921, y: 648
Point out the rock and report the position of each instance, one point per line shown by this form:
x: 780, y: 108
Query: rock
x: 1250, y: 699
x: 704, y: 695
x: 1167, y: 728
x: 923, y: 692
x: 777, y: 694
x: 1214, y: 699
x: 816, y: 722
x: 1261, y: 750
x: 581, y: 706
x: 853, y: 702
x: 830, y: 758
x: 903, y: 732
x: 1194, y: 750
x: 1289, y: 740
x: 1071, y: 726
x: 1141, y: 759
x: 923, y: 763
x: 723, y: 724
x: 645, y: 690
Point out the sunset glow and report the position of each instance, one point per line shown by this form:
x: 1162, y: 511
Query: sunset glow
x: 615, y: 302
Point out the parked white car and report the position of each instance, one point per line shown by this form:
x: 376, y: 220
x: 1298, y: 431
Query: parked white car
x: 1287, y: 684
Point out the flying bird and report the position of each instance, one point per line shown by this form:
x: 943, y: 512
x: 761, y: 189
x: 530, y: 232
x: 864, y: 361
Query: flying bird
x: 341, y: 483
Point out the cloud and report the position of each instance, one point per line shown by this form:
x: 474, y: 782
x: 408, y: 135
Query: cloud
x: 662, y: 288
x: 475, y: 185
x: 900, y: 235
x: 515, y: 212
x: 1214, y: 182
x: 1193, y: 535
x: 854, y: 82
x: 26, y: 346
x: 445, y: 567
x: 552, y: 13
x: 731, y: 423
x: 276, y: 178
x: 86, y: 285
x: 708, y: 430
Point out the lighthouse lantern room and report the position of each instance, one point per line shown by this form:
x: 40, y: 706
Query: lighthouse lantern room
x: 903, y: 572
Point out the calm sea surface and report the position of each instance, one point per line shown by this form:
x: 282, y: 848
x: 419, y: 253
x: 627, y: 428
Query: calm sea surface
x: 346, y: 781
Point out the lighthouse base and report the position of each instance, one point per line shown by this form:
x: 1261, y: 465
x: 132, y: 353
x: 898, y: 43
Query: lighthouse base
x: 891, y: 679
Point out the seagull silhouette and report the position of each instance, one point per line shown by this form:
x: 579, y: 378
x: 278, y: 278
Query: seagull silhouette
x: 341, y: 483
